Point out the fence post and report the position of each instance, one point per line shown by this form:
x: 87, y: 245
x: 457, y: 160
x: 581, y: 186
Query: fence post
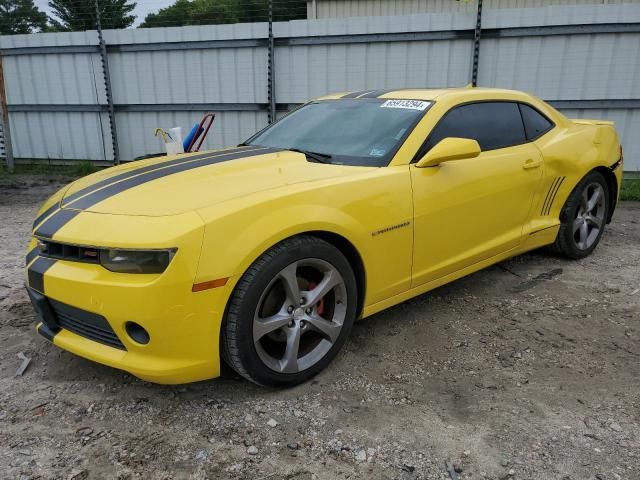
x: 476, y: 45
x: 271, y: 84
x: 107, y: 86
x: 6, y: 129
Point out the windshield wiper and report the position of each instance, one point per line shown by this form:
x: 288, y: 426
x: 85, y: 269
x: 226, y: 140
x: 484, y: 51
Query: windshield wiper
x: 318, y: 157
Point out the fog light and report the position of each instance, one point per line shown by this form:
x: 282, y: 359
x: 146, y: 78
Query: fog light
x: 137, y: 332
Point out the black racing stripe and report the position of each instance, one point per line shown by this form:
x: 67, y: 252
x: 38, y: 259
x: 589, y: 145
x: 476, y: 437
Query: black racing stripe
x: 131, y: 173
x: 550, y: 195
x: 33, y: 253
x: 44, y: 314
x: 546, y: 199
x: 36, y: 272
x: 95, y: 197
x: 553, y: 195
x: 45, y: 214
x: 116, y: 178
x: 547, y: 204
x: 355, y: 94
x: 55, y: 223
x: 62, y: 217
x: 378, y: 93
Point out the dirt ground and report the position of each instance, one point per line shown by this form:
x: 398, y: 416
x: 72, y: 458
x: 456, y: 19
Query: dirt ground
x: 526, y: 370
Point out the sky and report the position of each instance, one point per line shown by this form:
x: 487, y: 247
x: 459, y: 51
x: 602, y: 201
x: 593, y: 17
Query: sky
x: 143, y: 7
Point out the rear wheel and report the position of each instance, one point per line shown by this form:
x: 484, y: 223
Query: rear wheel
x: 583, y: 217
x: 290, y: 313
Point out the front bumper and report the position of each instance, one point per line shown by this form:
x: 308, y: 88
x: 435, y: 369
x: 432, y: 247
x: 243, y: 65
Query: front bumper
x: 83, y: 307
x: 183, y: 326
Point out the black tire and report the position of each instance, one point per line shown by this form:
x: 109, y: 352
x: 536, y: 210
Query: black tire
x: 566, y: 243
x: 237, y: 336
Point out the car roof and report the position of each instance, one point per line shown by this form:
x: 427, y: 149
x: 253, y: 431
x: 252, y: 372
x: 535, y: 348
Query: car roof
x: 449, y: 97
x: 431, y: 93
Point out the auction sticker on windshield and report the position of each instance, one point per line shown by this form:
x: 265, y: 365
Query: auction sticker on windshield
x: 410, y: 104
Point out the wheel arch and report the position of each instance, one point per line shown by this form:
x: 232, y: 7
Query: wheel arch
x: 353, y: 256
x: 342, y: 243
x: 565, y: 243
x: 612, y: 184
x: 235, y: 333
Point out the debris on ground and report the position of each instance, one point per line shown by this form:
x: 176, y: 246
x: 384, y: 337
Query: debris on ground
x: 451, y: 470
x: 24, y: 365
x: 525, y: 370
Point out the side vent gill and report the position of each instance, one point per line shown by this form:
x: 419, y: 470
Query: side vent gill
x: 551, y: 195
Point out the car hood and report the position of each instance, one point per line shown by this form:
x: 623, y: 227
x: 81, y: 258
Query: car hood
x: 174, y: 185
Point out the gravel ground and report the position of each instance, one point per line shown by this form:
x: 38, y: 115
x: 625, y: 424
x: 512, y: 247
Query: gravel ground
x: 526, y: 370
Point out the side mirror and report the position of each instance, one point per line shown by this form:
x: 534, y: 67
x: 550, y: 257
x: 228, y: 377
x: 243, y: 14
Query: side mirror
x: 447, y: 149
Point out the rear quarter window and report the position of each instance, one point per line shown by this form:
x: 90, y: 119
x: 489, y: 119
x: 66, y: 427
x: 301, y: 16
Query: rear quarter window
x: 535, y: 123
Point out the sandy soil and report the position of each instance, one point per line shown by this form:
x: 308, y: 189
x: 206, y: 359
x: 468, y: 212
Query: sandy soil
x: 526, y: 370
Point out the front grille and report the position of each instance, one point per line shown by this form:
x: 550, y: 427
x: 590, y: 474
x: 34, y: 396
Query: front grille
x: 74, y: 253
x: 86, y: 324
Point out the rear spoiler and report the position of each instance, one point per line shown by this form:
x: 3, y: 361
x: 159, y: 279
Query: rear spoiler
x: 586, y: 121
x: 603, y: 128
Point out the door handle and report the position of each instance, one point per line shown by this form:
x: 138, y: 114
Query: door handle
x: 531, y: 163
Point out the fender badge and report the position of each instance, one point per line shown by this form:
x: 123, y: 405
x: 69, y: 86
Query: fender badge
x: 389, y: 229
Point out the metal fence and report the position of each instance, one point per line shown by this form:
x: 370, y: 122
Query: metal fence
x: 364, y: 8
x: 63, y: 89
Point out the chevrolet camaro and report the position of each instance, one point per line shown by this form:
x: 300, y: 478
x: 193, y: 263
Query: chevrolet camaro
x: 265, y: 254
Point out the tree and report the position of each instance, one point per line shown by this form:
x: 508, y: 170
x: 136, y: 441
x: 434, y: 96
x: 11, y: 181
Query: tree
x: 78, y: 15
x: 20, y: 16
x: 196, y: 12
x: 213, y: 12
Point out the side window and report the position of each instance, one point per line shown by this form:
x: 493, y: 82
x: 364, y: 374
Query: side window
x: 491, y: 124
x: 535, y: 124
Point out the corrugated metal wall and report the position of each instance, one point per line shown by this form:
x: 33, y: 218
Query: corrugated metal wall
x: 56, y: 79
x: 139, y: 78
x: 308, y: 71
x: 561, y: 67
x: 57, y: 99
x: 192, y: 76
x: 363, y: 8
x: 602, y: 66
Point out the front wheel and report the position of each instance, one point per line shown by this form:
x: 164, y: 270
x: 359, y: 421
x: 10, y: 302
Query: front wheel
x: 290, y: 313
x: 583, y: 217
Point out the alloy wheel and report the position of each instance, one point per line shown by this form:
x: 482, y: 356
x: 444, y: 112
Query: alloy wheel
x: 300, y: 315
x: 589, y: 218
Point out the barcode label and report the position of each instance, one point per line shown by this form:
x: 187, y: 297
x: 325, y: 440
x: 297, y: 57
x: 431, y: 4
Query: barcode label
x: 410, y: 104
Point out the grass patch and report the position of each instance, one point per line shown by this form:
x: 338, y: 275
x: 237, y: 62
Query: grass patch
x: 630, y: 189
x: 79, y: 169
x: 83, y: 168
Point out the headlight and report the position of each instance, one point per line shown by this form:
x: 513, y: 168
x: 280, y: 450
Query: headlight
x: 136, y: 261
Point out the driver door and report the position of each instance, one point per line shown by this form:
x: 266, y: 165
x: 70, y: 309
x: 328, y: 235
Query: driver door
x: 466, y: 211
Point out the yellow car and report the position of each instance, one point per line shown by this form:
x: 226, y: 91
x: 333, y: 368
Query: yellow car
x: 265, y: 254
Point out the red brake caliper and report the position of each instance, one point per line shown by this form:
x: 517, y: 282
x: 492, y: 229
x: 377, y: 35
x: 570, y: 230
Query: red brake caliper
x: 320, y: 304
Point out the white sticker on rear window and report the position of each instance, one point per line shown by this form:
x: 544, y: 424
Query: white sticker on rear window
x: 377, y: 152
x: 410, y: 104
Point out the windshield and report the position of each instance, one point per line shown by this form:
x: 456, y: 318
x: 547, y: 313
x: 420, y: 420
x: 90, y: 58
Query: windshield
x: 365, y: 132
